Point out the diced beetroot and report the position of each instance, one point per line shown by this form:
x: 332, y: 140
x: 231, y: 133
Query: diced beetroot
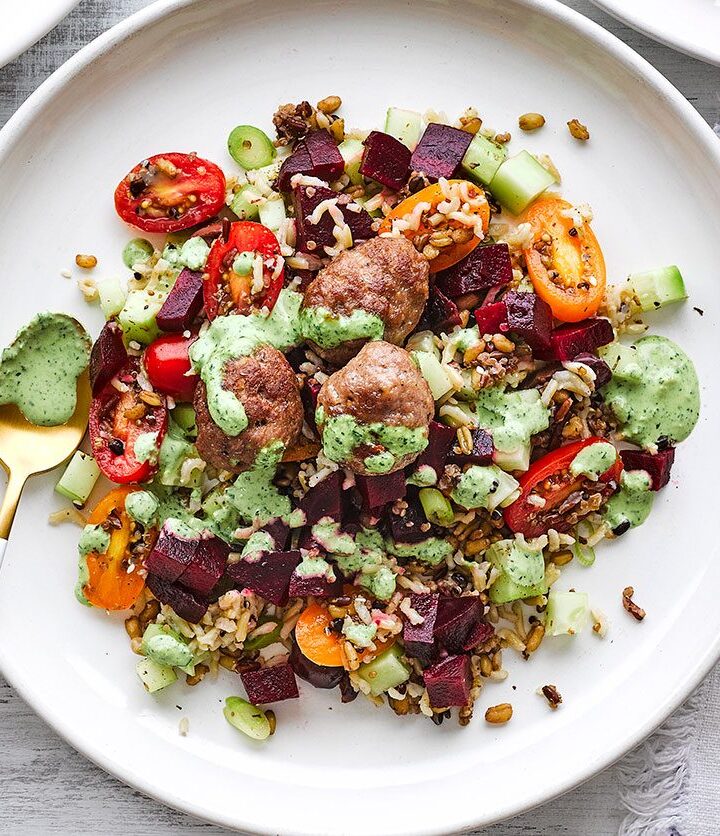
x: 324, y: 500
x: 478, y: 634
x: 267, y: 575
x: 440, y: 442
x: 309, y: 394
x: 449, y: 682
x: 483, y: 268
x: 441, y: 314
x: 603, y: 374
x: 319, y: 676
x: 419, y: 639
x: 575, y: 338
x: 377, y: 491
x: 455, y: 619
x: 386, y: 160
x: 490, y: 318
x: 440, y: 151
x: 279, y: 531
x: 529, y: 317
x: 347, y: 692
x: 184, y: 603
x: 656, y: 465
x: 297, y: 163
x: 107, y: 357
x: 316, y: 585
x: 306, y: 199
x: 327, y: 162
x: 482, y: 450
x: 412, y: 526
x: 270, y: 684
x: 183, y: 303
x: 171, y: 555
x: 206, y: 566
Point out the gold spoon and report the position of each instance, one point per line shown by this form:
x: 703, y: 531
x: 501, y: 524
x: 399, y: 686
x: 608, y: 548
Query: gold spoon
x: 26, y: 449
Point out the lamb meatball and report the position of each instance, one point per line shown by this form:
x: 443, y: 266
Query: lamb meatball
x: 385, y: 277
x: 265, y: 384
x: 373, y: 415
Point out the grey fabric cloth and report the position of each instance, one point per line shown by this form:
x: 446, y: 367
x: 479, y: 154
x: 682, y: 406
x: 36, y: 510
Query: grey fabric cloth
x: 49, y: 788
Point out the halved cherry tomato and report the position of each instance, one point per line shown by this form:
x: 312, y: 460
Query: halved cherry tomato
x: 109, y: 584
x: 471, y: 201
x: 316, y: 639
x: 166, y: 364
x: 224, y: 290
x: 567, y: 271
x: 550, y: 480
x: 117, y: 419
x: 169, y: 192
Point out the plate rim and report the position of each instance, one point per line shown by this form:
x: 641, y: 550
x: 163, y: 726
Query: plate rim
x: 625, y: 15
x: 36, y: 33
x: 700, y: 132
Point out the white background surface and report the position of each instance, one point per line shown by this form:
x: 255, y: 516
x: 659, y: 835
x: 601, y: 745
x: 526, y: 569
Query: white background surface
x: 46, y: 787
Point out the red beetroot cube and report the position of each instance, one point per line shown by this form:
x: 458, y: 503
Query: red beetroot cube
x: 325, y: 159
x: 206, y: 566
x: 171, y: 555
x: 182, y: 601
x: 440, y: 151
x: 656, y: 465
x: 482, y: 450
x: 270, y: 684
x: 419, y: 639
x: 456, y: 617
x: 324, y: 499
x: 107, y: 357
x: 183, y: 303
x: 485, y: 267
x: 441, y: 314
x: 297, y: 163
x: 440, y: 442
x: 575, y: 338
x: 316, y: 585
x: 306, y: 199
x: 377, y: 491
x: 449, y: 682
x: 267, y: 575
x: 386, y: 160
x: 480, y: 633
x: 490, y: 318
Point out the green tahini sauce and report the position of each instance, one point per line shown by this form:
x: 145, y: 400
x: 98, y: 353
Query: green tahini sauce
x: 39, y: 371
x: 592, y: 461
x: 329, y: 330
x: 632, y: 503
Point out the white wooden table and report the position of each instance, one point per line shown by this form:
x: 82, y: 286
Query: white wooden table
x: 45, y: 786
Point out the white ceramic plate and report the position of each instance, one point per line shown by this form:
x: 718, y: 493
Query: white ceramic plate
x: 691, y: 26
x: 178, y: 76
x: 27, y: 23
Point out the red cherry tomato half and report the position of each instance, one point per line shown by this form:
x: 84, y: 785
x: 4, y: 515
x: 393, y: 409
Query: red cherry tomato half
x: 166, y: 364
x: 117, y: 419
x: 225, y: 291
x: 170, y: 192
x: 550, y: 479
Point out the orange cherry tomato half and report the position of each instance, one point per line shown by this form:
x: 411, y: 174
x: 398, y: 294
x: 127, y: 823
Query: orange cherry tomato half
x: 110, y: 586
x: 471, y: 201
x: 568, y: 270
x: 315, y: 638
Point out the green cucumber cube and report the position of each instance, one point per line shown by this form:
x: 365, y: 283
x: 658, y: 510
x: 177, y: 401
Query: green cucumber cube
x: 566, y: 613
x: 153, y: 676
x: 79, y: 478
x: 433, y: 372
x: 351, y: 151
x: 272, y: 213
x: 404, y: 125
x: 112, y: 296
x: 482, y: 159
x: 623, y: 362
x: 518, y: 181
x: 137, y: 318
x: 657, y: 288
x: 244, y: 203
x: 385, y: 671
x: 504, y: 590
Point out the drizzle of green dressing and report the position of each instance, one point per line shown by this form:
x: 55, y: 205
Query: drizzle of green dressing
x: 342, y: 434
x: 511, y: 418
x: 253, y: 494
x: 483, y: 487
x: 632, y: 503
x: 142, y: 506
x: 361, y: 635
x: 95, y: 539
x: 326, y: 329
x: 423, y: 477
x: 328, y: 534
x: 315, y: 567
x: 592, y: 461
x: 167, y: 649
x: 243, y: 263
x: 146, y: 447
x: 663, y: 401
x: 370, y: 564
x: 259, y: 542
x: 194, y: 253
x: 39, y: 371
x: 83, y: 578
x: 431, y: 551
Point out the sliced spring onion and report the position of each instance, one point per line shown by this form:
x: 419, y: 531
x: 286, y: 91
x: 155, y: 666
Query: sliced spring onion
x: 250, y: 147
x: 436, y: 507
x: 247, y: 718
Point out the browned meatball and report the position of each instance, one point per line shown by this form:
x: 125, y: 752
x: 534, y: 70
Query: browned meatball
x: 266, y: 385
x: 379, y: 389
x: 383, y: 276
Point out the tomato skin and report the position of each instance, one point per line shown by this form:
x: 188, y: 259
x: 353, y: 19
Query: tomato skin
x: 194, y: 194
x: 166, y: 362
x: 108, y: 424
x: 434, y: 195
x: 224, y: 291
x: 109, y: 584
x: 577, y: 258
x: 522, y: 517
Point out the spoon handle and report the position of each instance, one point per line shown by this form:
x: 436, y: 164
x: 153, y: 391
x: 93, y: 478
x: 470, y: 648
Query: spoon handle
x: 9, y: 506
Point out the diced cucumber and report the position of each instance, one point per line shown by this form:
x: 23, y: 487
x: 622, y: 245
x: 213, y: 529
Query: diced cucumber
x: 174, y: 451
x: 272, y: 213
x: 623, y: 362
x: 566, y: 613
x: 79, y: 478
x: 137, y: 318
x: 385, y: 671
x: 247, y: 718
x: 112, y: 296
x: 351, y: 151
x: 519, y: 181
x: 656, y: 288
x: 516, y: 459
x: 165, y: 646
x: 482, y: 159
x: 504, y: 590
x: 153, y: 676
x: 433, y: 372
x: 404, y: 125
x: 423, y: 341
x: 250, y: 147
x: 245, y: 202
x: 184, y: 416
x: 507, y: 490
x: 436, y: 507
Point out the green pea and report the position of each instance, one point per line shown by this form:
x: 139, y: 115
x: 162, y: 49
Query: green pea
x: 250, y: 147
x: 136, y: 251
x: 247, y: 718
x: 436, y: 507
